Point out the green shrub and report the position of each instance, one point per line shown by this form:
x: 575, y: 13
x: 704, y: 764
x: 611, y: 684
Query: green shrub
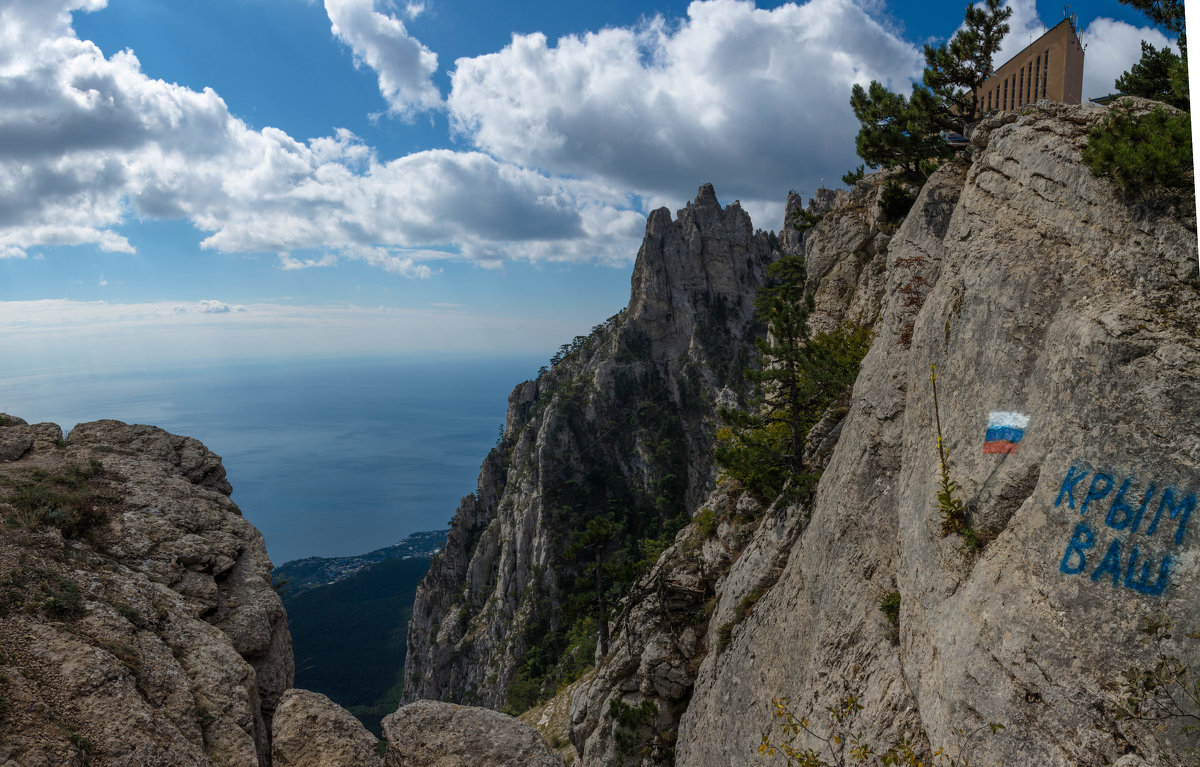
x: 972, y: 541
x: 131, y: 614
x: 629, y: 720
x: 64, y: 600
x: 73, y: 500
x: 803, y: 220
x: 1141, y: 154
x: 895, y: 201
x: 854, y: 176
x: 838, y: 733
x: 889, y: 605
x: 706, y: 523
x: 950, y: 507
x: 724, y: 634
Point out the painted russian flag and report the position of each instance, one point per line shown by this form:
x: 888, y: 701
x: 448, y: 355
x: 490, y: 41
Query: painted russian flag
x: 1004, y: 431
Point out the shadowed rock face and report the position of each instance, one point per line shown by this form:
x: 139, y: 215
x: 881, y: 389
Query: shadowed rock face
x: 139, y: 623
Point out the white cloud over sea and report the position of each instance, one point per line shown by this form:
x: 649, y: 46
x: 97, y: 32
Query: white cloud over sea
x: 755, y: 100
x: 88, y: 143
x: 51, y: 335
x: 570, y: 141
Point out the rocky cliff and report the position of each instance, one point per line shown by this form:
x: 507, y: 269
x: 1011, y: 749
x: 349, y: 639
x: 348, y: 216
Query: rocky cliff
x: 139, y: 626
x: 137, y: 620
x: 1041, y: 297
x: 1037, y: 292
x: 620, y: 429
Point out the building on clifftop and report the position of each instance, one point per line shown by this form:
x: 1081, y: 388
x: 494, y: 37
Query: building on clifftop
x: 1051, y: 67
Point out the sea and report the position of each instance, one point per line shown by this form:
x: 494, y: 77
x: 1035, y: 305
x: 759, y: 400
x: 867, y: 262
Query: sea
x: 326, y: 457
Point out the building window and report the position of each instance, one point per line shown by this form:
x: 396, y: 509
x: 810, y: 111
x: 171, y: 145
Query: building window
x: 1037, y: 78
x: 1005, y: 94
x: 1046, y: 73
x: 1021, y: 87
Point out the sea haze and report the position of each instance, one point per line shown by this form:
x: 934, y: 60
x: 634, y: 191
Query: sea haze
x: 326, y: 458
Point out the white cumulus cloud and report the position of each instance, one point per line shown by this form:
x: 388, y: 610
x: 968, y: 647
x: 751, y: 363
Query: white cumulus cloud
x: 89, y: 142
x: 380, y: 41
x: 755, y: 101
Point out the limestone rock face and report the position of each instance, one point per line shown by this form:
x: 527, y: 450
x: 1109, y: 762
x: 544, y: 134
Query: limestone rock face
x: 310, y: 730
x: 691, y: 604
x: 138, y: 625
x: 432, y: 734
x: 1036, y: 291
x: 627, y: 413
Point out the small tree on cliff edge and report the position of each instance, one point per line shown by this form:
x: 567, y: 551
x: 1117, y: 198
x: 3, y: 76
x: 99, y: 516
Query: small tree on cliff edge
x: 955, y: 71
x: 1148, y: 157
x: 898, y: 132
x: 802, y: 374
x: 1160, y: 74
x: 903, y: 132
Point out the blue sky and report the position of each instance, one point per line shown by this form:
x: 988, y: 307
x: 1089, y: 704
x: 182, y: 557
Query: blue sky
x: 246, y: 178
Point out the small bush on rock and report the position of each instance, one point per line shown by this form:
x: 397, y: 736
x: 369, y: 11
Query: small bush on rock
x: 1142, y: 153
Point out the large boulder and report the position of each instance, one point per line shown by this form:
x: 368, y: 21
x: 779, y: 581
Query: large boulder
x: 433, y: 734
x: 138, y: 624
x: 310, y: 730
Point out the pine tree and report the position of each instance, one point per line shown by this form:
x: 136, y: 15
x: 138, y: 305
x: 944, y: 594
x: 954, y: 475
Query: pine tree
x: 595, y: 544
x: 904, y: 132
x: 1145, y: 155
x: 955, y: 72
x: 801, y: 376
x: 1157, y: 76
x: 897, y: 131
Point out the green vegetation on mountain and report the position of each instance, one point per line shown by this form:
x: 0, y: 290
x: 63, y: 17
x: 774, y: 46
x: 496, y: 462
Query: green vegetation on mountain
x: 802, y: 374
x: 1149, y: 154
x: 607, y: 526
x: 349, y: 637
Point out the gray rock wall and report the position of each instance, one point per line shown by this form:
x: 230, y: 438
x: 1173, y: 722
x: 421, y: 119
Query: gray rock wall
x: 152, y: 636
x: 1034, y: 290
x: 685, y: 336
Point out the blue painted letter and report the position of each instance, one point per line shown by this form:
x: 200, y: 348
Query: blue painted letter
x: 1137, y: 518
x: 1081, y: 541
x: 1119, y: 505
x: 1183, y: 510
x: 1111, y: 562
x: 1142, y: 582
x: 1069, y: 483
x: 1093, y: 493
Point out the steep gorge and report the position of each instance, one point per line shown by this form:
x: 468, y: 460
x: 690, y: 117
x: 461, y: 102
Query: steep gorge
x: 619, y: 428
